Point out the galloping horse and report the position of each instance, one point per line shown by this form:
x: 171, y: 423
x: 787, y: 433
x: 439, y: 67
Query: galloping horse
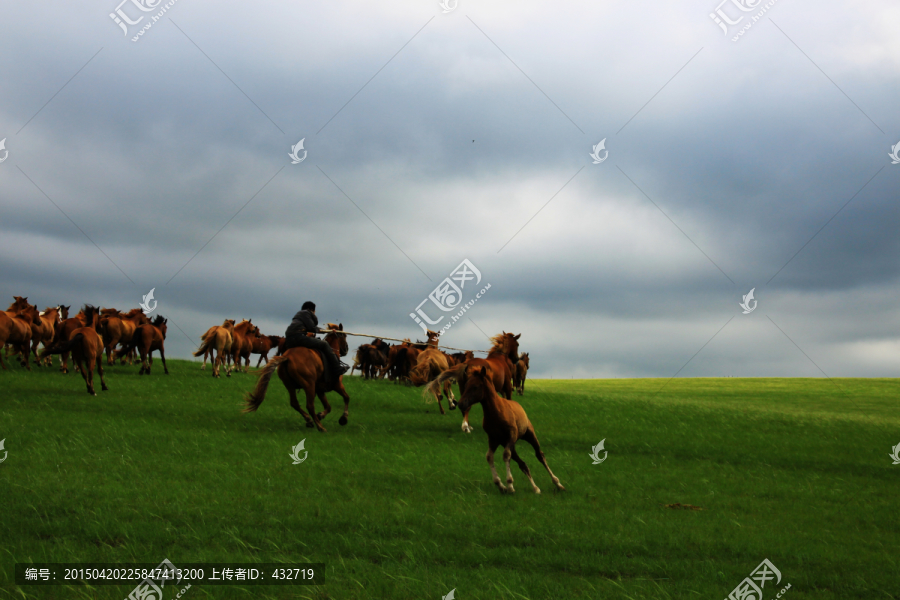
x: 147, y: 338
x: 45, y: 332
x: 521, y: 373
x: 118, y: 327
x: 430, y: 363
x: 18, y: 331
x: 505, y: 422
x: 499, y: 363
x: 64, y: 330
x: 242, y: 343
x: 262, y: 345
x: 86, y: 347
x: 217, y: 343
x: 302, y: 368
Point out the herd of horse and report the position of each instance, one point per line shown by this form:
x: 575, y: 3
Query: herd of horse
x: 488, y: 381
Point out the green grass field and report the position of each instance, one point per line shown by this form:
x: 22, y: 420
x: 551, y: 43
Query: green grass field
x: 400, y: 504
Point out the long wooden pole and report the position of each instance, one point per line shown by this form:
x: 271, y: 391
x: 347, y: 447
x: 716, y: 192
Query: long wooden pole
x: 395, y: 339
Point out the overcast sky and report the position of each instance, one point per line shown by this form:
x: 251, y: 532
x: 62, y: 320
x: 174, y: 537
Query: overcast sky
x: 433, y: 137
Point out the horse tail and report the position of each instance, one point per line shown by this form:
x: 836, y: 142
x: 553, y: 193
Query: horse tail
x: 452, y: 374
x: 204, y: 347
x: 253, y: 399
x: 65, y: 346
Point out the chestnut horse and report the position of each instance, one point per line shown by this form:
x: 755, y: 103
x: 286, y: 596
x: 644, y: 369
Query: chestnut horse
x: 147, y: 338
x: 45, y: 333
x: 19, y: 330
x: 217, y: 343
x: 505, y: 422
x: 118, y: 327
x: 521, y: 373
x: 86, y: 347
x: 63, y: 331
x: 262, y: 345
x: 242, y: 343
x: 302, y: 368
x: 499, y: 362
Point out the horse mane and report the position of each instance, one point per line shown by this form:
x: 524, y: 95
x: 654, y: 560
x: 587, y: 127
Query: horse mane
x: 90, y: 312
x: 159, y: 320
x: 500, y: 343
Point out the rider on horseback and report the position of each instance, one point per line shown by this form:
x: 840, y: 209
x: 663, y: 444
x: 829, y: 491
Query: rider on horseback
x: 305, y: 322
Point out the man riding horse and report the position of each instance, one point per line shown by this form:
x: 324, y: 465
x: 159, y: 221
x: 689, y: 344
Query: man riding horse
x: 303, y: 323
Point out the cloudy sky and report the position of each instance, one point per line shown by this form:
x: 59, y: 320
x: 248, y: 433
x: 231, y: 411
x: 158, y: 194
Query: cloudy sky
x: 431, y: 137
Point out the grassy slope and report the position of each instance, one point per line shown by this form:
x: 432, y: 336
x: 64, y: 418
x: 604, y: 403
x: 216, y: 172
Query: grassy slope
x: 399, y: 503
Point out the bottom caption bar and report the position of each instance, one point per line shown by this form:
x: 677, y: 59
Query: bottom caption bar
x: 152, y: 578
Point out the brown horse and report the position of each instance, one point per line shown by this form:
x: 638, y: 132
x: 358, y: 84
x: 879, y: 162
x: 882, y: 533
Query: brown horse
x: 147, y: 338
x: 19, y: 330
x: 521, y: 373
x: 370, y: 359
x: 242, y: 343
x: 64, y: 331
x: 499, y: 363
x: 44, y: 334
x: 262, y: 345
x: 86, y: 347
x: 302, y: 368
x: 217, y: 343
x: 118, y: 327
x: 505, y: 422
x: 430, y: 364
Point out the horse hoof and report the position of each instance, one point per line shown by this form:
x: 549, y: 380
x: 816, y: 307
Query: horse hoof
x: 342, y: 420
x: 310, y: 424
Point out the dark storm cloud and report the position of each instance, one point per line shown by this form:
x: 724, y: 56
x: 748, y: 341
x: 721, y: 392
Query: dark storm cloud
x: 716, y: 177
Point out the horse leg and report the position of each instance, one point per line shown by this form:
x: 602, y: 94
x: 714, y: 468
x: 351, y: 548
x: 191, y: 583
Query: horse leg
x: 145, y: 366
x: 311, y: 407
x: 490, y: 459
x: 465, y: 424
x: 110, y: 350
x: 524, y: 467
x: 340, y: 390
x: 531, y: 438
x: 162, y: 357
x: 261, y: 356
x: 292, y: 392
x: 100, y: 370
x: 326, y: 406
x: 89, y: 382
x: 507, y: 453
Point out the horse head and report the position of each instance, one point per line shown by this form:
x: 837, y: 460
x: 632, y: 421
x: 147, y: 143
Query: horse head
x: 341, y: 338
x: 478, y: 387
x: 160, y: 323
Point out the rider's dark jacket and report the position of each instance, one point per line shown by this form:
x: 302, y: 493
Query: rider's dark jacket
x: 303, y: 322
